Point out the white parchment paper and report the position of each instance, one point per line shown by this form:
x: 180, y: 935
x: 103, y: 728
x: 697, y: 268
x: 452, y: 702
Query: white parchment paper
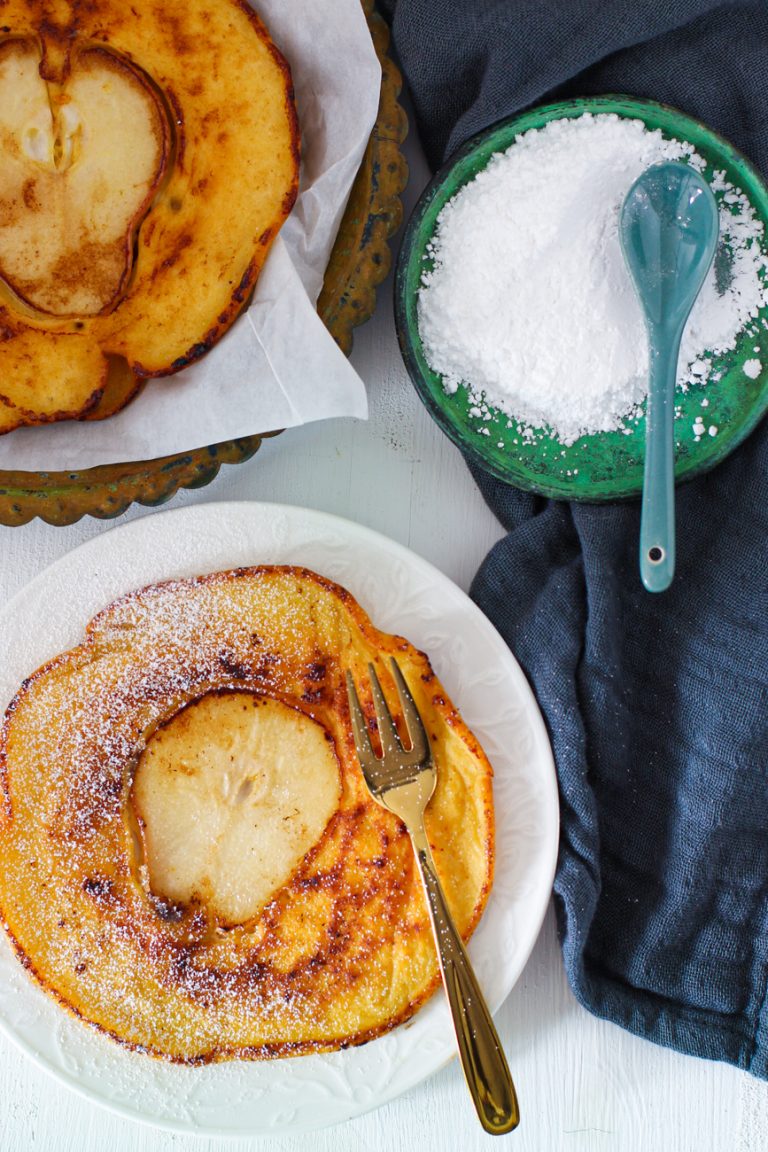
x: 278, y: 366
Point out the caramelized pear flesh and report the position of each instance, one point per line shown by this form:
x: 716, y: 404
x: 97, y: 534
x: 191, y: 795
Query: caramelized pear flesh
x: 81, y: 163
x: 230, y: 796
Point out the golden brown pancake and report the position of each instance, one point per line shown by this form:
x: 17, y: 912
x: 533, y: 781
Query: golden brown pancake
x: 149, y: 155
x: 191, y: 859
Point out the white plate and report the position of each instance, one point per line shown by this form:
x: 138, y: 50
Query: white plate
x: 401, y: 593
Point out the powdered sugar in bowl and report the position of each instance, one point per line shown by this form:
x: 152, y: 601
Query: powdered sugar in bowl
x: 517, y: 319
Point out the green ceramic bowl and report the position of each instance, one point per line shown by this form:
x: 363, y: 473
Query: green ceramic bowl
x: 606, y: 465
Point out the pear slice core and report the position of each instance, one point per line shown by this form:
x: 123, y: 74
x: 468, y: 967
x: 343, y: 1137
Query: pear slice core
x: 230, y: 796
x: 80, y: 163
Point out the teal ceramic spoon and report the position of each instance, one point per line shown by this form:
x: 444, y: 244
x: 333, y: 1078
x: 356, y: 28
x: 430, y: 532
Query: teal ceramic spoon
x: 669, y: 229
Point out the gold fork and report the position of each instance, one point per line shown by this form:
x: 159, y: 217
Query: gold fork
x: 403, y: 780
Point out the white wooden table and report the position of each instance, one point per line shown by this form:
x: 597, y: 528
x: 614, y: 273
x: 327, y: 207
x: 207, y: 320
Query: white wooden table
x: 584, y: 1085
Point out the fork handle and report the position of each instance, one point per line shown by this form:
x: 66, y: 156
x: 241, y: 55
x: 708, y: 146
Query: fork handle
x: 482, y: 1057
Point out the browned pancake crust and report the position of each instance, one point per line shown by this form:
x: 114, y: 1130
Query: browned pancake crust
x: 343, y: 952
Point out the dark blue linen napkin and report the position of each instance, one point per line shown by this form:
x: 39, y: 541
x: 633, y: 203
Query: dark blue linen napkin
x: 657, y: 706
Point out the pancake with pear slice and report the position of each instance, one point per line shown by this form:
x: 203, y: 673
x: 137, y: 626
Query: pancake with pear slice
x: 149, y: 155
x: 191, y: 859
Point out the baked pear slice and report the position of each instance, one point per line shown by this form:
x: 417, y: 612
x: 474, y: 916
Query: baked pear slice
x: 90, y: 156
x: 229, y: 797
x: 148, y: 157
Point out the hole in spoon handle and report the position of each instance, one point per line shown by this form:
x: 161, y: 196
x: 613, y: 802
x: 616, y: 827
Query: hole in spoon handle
x: 657, y: 566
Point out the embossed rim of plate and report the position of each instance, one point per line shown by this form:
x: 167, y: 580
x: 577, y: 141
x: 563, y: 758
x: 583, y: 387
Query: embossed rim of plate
x: 359, y: 262
x: 404, y: 593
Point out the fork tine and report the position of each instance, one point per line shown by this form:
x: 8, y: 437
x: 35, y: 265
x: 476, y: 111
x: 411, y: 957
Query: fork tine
x: 365, y: 753
x: 390, y: 741
x: 414, y: 724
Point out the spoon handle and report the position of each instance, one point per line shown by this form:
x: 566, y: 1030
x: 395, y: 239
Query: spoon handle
x: 657, y: 524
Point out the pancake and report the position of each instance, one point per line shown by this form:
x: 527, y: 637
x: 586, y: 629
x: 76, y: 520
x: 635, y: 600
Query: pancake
x: 149, y: 155
x: 192, y: 861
